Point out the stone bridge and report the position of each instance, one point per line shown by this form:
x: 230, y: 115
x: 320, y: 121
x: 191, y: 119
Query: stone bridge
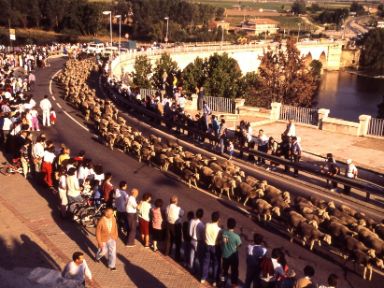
x: 248, y: 56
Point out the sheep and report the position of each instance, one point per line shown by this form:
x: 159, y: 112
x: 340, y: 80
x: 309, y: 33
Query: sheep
x: 190, y: 177
x: 147, y: 152
x: 308, y: 232
x: 263, y: 210
x: 251, y: 181
x: 222, y: 184
x: 206, y: 175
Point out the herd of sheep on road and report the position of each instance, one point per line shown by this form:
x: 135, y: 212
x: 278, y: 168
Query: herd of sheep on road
x: 308, y: 219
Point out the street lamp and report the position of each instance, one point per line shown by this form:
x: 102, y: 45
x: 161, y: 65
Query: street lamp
x: 298, y: 33
x: 110, y: 22
x: 119, y: 17
x: 166, y: 33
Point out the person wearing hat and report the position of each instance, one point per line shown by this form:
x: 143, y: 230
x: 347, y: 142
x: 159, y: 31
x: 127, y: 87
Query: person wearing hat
x: 351, y: 173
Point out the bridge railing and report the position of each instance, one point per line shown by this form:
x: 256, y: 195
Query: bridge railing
x: 218, y: 104
x: 147, y: 92
x: 376, y: 127
x: 299, y: 114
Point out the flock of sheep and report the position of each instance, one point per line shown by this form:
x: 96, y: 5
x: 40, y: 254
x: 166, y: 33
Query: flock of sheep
x: 308, y: 219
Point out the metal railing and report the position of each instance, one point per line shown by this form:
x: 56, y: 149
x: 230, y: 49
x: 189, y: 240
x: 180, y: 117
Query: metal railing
x: 299, y: 114
x: 147, y: 92
x: 218, y: 104
x: 376, y: 127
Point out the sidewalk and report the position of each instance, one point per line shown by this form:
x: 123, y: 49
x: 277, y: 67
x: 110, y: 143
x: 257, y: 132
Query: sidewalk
x: 33, y: 235
x: 366, y: 152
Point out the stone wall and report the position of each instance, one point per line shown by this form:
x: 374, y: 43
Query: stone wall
x: 350, y: 58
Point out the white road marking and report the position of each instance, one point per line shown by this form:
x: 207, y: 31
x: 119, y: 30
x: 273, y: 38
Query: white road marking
x: 50, y: 81
x: 58, y: 105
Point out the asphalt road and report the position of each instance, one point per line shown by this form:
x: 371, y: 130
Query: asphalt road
x: 149, y: 179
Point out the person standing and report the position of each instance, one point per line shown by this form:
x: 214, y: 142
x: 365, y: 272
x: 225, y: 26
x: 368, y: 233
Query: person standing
x: 230, y: 243
x: 351, y: 173
x: 157, y: 223
x: 46, y: 106
x: 107, y: 188
x: 206, y: 112
x: 77, y: 269
x: 255, y: 252
x: 106, y: 235
x: 47, y: 165
x: 222, y: 136
x: 174, y: 213
x: 306, y: 281
x: 262, y: 145
x: 296, y: 154
x: 144, y: 212
x: 332, y: 170
x: 132, y: 217
x: 121, y: 198
x: 212, y: 249
x: 332, y: 282
x: 196, y: 232
x: 290, y: 131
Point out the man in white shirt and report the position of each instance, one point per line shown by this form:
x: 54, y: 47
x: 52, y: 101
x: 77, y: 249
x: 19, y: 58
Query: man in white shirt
x: 77, y: 269
x: 197, y: 234
x: 131, y: 209
x: 212, y: 249
x: 173, y: 228
x: 45, y: 106
x: 121, y: 199
x: 38, y: 153
x: 351, y: 173
x: 262, y: 145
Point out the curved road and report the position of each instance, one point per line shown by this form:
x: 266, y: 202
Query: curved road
x: 149, y: 179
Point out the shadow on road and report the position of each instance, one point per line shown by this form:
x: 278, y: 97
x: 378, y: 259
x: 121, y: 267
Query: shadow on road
x: 24, y: 252
x: 139, y: 276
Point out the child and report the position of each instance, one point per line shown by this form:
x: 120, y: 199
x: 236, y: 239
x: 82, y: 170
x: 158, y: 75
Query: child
x: 231, y: 149
x: 52, y: 117
x: 35, y: 120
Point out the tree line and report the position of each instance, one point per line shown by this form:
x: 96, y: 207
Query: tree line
x: 142, y: 19
x: 283, y: 76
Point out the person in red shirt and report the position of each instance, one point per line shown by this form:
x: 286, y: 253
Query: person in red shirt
x: 107, y: 188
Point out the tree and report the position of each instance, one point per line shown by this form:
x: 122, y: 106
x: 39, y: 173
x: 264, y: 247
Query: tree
x: 298, y: 7
x: 143, y: 69
x: 166, y: 74
x: 285, y: 78
x: 219, y: 74
x: 194, y: 75
x: 357, y: 8
x: 372, y: 53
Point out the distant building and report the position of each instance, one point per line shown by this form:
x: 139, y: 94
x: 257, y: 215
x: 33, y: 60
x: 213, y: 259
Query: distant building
x: 260, y: 25
x: 220, y: 24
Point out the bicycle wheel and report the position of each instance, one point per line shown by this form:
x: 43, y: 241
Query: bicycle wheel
x: 88, y: 217
x: 75, y: 208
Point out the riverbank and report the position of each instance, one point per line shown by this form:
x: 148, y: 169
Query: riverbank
x: 362, y: 74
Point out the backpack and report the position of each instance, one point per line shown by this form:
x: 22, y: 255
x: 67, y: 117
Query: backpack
x: 266, y: 268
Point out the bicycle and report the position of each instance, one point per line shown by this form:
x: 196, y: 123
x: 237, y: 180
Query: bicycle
x: 76, y: 207
x: 11, y: 169
x: 91, y: 215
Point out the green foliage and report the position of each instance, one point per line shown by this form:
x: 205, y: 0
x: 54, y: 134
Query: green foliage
x: 250, y: 88
x: 336, y: 16
x: 219, y: 74
x: 372, y: 53
x: 298, y: 7
x: 165, y: 74
x: 285, y: 78
x: 357, y: 8
x: 143, y: 69
x: 316, y: 67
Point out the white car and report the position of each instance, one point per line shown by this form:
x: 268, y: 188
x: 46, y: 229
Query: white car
x: 95, y: 48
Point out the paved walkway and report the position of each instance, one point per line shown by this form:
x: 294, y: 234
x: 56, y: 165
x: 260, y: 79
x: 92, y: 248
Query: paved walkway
x: 32, y: 234
x: 366, y: 152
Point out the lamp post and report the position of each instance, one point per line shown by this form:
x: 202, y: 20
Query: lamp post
x: 119, y: 17
x: 110, y: 22
x: 298, y: 33
x: 166, y: 33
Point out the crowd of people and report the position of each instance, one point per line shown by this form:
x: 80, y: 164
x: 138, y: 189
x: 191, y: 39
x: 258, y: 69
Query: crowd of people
x: 203, y: 246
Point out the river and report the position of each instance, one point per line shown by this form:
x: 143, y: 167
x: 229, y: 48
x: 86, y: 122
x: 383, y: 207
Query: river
x: 348, y: 95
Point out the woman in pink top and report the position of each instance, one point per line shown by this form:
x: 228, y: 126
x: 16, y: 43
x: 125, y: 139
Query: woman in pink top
x: 157, y: 222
